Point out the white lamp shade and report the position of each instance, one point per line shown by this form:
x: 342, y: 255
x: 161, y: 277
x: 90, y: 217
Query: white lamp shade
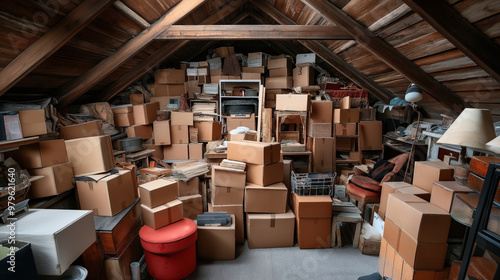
x: 494, y: 145
x: 473, y: 128
x: 413, y: 94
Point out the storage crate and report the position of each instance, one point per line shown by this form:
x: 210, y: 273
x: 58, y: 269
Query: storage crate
x: 320, y: 183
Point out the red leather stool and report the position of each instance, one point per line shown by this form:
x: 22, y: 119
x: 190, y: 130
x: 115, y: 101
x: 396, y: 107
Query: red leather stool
x: 170, y: 251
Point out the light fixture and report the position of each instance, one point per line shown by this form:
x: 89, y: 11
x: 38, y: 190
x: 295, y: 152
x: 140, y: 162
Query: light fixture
x: 494, y: 145
x: 413, y: 94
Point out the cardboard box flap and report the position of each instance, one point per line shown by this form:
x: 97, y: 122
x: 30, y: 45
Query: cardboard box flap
x: 227, y: 169
x: 277, y: 186
x: 156, y: 184
x: 102, y: 177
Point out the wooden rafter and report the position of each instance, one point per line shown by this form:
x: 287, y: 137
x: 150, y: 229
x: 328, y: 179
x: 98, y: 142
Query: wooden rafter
x: 331, y: 58
x: 389, y: 55
x: 163, y: 53
x: 253, y: 32
x: 49, y: 43
x: 74, y: 89
x: 131, y: 14
x: 461, y: 33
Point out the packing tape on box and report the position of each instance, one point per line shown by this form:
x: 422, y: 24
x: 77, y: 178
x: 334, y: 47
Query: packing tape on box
x: 96, y: 211
x: 91, y: 186
x: 272, y: 223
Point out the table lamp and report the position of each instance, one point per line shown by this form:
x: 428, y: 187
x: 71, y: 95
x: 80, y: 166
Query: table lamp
x: 473, y: 128
x: 494, y: 145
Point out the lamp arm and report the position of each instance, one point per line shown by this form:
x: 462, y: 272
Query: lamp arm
x: 412, y: 149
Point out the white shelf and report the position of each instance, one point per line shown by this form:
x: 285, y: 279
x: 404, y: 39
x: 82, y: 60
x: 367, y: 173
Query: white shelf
x: 238, y: 97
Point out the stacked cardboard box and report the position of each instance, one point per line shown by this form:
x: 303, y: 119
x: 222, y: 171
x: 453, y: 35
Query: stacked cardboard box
x: 313, y: 217
x: 168, y: 82
x: 425, y: 173
x: 159, y: 203
x: 399, y: 187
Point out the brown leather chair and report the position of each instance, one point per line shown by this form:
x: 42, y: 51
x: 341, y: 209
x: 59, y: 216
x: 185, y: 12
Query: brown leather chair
x: 366, y: 190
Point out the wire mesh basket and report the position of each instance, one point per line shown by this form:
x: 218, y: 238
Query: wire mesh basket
x: 320, y: 183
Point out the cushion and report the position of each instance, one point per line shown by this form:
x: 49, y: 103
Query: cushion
x: 380, y: 169
x: 363, y: 195
x: 366, y: 183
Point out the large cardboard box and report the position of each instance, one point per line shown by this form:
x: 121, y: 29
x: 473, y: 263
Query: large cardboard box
x: 265, y: 174
x: 216, y: 242
x: 279, y: 82
x: 322, y: 153
x: 106, y: 194
x: 176, y: 151
x: 270, y: 230
x: 87, y: 129
x: 345, y: 115
x: 424, y: 222
x: 313, y: 233
x: 423, y: 194
x: 122, y: 109
x: 57, y: 179
x: 317, y: 206
x: 237, y: 211
x: 41, y: 154
x: 162, y: 215
x: 167, y: 90
x: 370, y: 133
x: 226, y: 195
x: 345, y: 129
x: 32, y: 122
x: 319, y: 129
x: 228, y: 177
x: 422, y: 256
x: 143, y: 131
x: 162, y: 133
x: 321, y: 111
x: 170, y: 76
x: 269, y: 199
x: 391, y: 233
x: 179, y: 134
x: 208, y: 131
x: 57, y: 237
x: 389, y: 261
x: 145, y: 113
x: 381, y: 258
x: 90, y: 155
x: 261, y: 69
x: 165, y: 101
x: 279, y: 63
x: 246, y: 120
x: 158, y: 192
x: 425, y: 173
x: 181, y: 118
x: 196, y: 150
x: 124, y: 120
x: 253, y: 152
x: 190, y: 187
x: 388, y: 188
x: 293, y: 102
x: 192, y: 206
x: 250, y: 76
x: 280, y: 72
x: 444, y: 192
x: 303, y: 76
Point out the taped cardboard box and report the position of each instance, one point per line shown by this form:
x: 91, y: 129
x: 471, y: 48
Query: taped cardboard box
x: 190, y: 187
x: 41, y: 154
x: 293, y: 102
x: 124, y: 120
x: 422, y: 256
x: 208, y: 131
x: 158, y: 192
x: 170, y: 76
x: 181, y: 118
x: 32, y: 122
x: 162, y: 133
x: 143, y: 131
x: 216, y: 242
x: 87, y: 129
x: 253, y: 152
x: 346, y: 115
x: 303, y: 76
x: 269, y: 199
x: 106, y: 194
x: 265, y: 175
x: 162, y: 215
x: 192, y: 206
x: 226, y: 195
x: 57, y: 179
x: 237, y: 211
x: 444, y: 192
x: 425, y: 173
x: 228, y: 177
x: 145, y: 113
x: 196, y: 151
x: 179, y: 134
x: 176, y: 151
x: 270, y: 230
x: 90, y: 155
x: 317, y: 206
x: 321, y: 111
x: 370, y: 133
x: 237, y: 120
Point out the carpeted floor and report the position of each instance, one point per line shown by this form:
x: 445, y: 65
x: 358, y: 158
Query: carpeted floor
x: 289, y: 264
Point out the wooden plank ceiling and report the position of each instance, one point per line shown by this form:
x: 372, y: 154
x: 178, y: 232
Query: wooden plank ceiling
x: 90, y: 50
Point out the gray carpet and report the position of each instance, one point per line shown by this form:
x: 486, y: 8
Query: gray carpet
x: 289, y: 263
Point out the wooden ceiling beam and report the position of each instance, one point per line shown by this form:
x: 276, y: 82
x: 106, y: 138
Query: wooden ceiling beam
x: 461, y: 33
x: 74, y: 89
x: 389, y: 55
x: 164, y: 52
x: 253, y: 32
x: 129, y: 13
x: 327, y: 55
x: 49, y: 43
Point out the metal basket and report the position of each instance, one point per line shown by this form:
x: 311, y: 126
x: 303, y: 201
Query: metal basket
x: 305, y: 184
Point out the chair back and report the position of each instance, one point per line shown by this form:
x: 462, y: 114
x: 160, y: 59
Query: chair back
x: 399, y: 161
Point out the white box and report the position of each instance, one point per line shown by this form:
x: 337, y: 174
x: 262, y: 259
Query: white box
x: 305, y: 58
x: 192, y: 72
x: 57, y: 237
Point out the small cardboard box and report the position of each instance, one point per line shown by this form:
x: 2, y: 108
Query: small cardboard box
x: 162, y: 215
x: 345, y: 115
x: 106, y: 194
x: 33, y: 122
x: 190, y: 187
x: 270, y: 230
x: 162, y: 133
x: 261, y: 69
x: 216, y: 242
x: 41, y: 154
x: 145, y: 113
x: 345, y: 129
x: 124, y: 120
x: 279, y: 82
x: 88, y: 129
x: 181, y: 118
x: 303, y: 76
x: 144, y: 131
x: 196, y: 151
x: 269, y: 199
x: 422, y: 256
x: 265, y: 175
x: 122, y: 109
x: 170, y: 76
x: 370, y: 133
x: 226, y: 195
x: 280, y: 72
x: 319, y: 129
x: 253, y: 152
x: 192, y: 206
x: 279, y: 63
x: 321, y: 111
x: 293, y: 102
x: 317, y: 206
x: 90, y: 155
x: 237, y: 120
x: 136, y: 99
x: 322, y: 152
x: 158, y: 192
x: 193, y: 134
x: 57, y: 179
x: 237, y: 211
x: 425, y: 173
x: 179, y: 134
x: 228, y: 177
x: 444, y: 192
x: 208, y: 131
x: 388, y: 188
x: 176, y: 151
x: 167, y: 90
x: 313, y: 233
x: 250, y: 76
